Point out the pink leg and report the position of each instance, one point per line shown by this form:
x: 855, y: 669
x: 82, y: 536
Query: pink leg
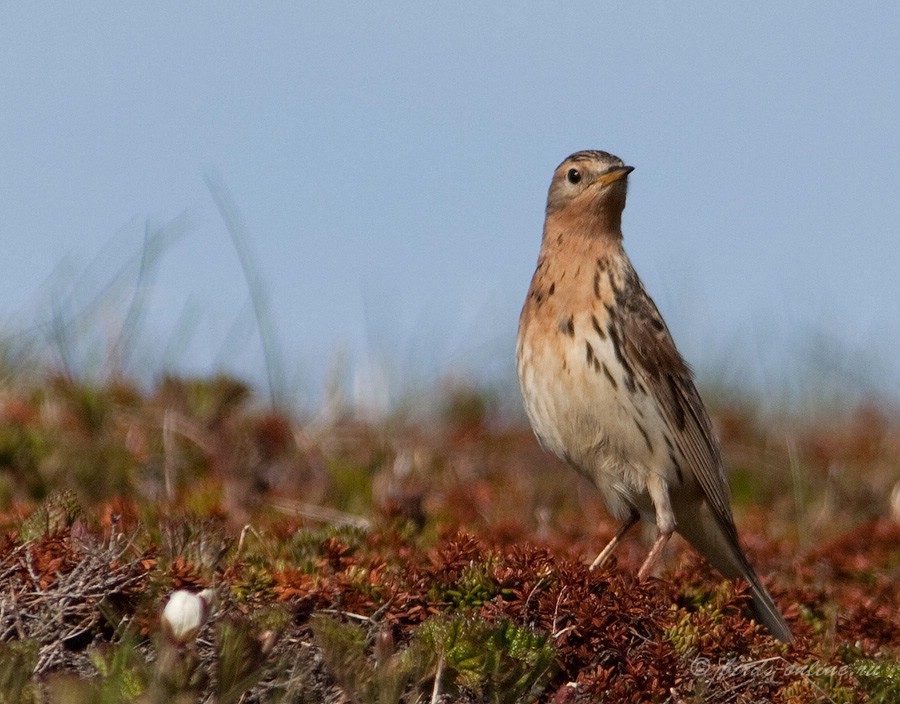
x: 655, y: 552
x: 633, y: 518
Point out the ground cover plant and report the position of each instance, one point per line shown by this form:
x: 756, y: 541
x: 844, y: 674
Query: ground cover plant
x: 435, y: 557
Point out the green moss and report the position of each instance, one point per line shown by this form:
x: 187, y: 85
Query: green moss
x: 124, y: 673
x: 879, y: 679
x: 684, y: 634
x: 55, y: 514
x: 17, y: 661
x: 254, y: 587
x: 821, y: 618
x: 807, y: 689
x: 474, y: 588
x: 500, y: 662
x: 703, y: 605
x: 306, y: 547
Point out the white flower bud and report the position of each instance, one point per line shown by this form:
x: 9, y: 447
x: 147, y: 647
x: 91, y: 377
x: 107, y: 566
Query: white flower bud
x: 185, y: 613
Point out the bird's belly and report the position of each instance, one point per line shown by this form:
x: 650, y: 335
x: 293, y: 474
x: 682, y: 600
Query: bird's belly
x: 584, y: 409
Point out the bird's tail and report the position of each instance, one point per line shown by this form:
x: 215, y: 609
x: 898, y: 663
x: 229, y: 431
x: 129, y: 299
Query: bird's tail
x: 702, y: 530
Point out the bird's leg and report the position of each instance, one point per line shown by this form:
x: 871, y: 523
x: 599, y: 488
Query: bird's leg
x: 655, y: 552
x: 665, y: 522
x: 633, y: 518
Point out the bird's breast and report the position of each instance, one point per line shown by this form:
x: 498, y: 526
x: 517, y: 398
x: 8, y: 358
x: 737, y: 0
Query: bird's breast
x: 577, y: 394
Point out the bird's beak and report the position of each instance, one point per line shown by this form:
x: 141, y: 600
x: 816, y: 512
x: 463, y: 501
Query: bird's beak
x: 616, y: 173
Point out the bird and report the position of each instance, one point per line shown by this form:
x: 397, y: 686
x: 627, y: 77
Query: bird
x: 606, y: 390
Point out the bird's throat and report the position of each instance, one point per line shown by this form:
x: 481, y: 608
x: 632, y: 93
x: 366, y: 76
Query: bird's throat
x: 599, y: 224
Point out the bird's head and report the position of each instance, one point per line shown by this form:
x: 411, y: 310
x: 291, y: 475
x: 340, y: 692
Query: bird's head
x: 590, y: 184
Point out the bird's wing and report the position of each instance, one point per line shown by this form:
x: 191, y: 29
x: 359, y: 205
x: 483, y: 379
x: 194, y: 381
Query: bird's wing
x: 657, y: 364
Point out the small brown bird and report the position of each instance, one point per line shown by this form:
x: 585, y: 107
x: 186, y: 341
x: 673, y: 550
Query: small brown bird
x: 606, y: 389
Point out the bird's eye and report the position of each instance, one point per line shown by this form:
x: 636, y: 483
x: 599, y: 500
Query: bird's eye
x: 573, y: 176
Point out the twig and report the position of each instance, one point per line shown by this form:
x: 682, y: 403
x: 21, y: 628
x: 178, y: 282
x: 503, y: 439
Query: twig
x: 322, y: 514
x: 436, y: 690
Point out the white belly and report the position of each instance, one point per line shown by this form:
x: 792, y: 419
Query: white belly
x: 582, y: 410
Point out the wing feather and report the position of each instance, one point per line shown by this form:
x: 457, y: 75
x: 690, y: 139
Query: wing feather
x: 657, y: 364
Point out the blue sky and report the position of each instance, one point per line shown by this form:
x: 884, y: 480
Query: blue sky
x: 390, y: 165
